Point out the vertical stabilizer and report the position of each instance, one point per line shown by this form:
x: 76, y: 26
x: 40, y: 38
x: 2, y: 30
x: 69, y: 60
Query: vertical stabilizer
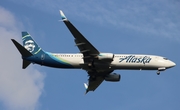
x: 29, y: 43
x: 29, y: 48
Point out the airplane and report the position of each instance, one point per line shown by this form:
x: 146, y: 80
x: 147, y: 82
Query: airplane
x: 98, y: 65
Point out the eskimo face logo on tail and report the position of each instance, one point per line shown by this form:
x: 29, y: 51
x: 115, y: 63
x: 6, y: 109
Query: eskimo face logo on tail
x: 29, y: 45
x: 135, y: 59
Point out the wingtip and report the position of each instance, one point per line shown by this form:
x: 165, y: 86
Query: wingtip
x: 86, y: 86
x: 62, y: 15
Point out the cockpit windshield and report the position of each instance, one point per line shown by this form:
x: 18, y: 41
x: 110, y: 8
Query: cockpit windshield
x: 165, y: 58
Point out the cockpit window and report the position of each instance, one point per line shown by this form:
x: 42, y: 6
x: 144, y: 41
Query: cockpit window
x: 165, y: 58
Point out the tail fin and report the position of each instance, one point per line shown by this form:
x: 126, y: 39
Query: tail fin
x: 29, y: 43
x: 28, y: 49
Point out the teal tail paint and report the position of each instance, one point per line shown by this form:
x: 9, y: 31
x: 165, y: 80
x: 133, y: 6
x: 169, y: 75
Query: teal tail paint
x: 30, y: 44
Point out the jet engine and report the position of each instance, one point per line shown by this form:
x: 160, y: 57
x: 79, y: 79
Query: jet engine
x: 113, y: 77
x: 106, y: 56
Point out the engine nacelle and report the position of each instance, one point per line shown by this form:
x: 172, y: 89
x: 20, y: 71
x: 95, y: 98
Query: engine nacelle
x: 113, y: 77
x: 106, y: 56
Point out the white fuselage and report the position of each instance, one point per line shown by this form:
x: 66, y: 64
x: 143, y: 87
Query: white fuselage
x: 122, y: 61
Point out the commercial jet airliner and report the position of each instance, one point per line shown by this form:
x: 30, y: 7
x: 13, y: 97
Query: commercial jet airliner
x: 98, y: 65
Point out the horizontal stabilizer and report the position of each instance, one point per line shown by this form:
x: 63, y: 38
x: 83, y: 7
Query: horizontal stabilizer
x: 25, y: 64
x: 22, y: 50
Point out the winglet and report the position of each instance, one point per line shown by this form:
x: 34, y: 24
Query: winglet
x: 86, y: 86
x: 62, y: 15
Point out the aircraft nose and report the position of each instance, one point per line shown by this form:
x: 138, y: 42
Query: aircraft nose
x: 172, y: 64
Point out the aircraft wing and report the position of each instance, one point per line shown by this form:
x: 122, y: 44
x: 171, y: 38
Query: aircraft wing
x: 85, y: 47
x: 89, y: 53
x: 93, y: 84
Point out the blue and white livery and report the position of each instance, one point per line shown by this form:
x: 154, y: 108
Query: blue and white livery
x: 99, y: 66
